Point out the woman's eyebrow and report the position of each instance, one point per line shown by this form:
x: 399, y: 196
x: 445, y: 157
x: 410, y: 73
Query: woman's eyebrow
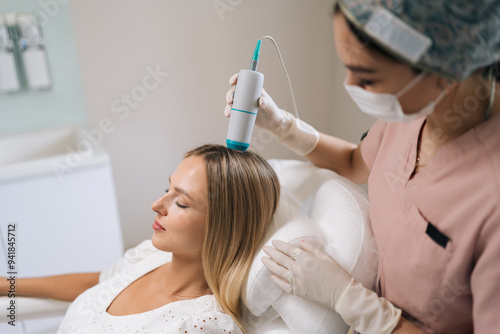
x: 360, y: 69
x: 180, y: 190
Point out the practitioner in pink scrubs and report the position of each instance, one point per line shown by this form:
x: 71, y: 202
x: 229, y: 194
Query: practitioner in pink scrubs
x: 428, y: 71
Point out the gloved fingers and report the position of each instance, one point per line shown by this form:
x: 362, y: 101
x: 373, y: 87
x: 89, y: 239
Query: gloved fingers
x: 296, y: 253
x: 234, y: 79
x: 286, y: 248
x: 308, y: 247
x: 264, y: 102
x: 265, y: 94
x: 311, y: 248
x: 288, y: 287
x: 229, y: 95
x: 227, y: 111
x: 276, y: 269
x: 279, y: 257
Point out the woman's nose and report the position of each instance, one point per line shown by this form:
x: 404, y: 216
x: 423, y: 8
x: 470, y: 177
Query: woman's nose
x: 159, y: 207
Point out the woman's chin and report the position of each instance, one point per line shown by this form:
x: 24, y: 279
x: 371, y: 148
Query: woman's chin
x: 158, y: 242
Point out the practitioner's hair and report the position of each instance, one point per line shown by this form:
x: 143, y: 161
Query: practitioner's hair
x: 243, y: 194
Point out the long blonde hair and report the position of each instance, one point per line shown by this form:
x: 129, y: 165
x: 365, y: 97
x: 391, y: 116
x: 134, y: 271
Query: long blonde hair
x: 243, y: 193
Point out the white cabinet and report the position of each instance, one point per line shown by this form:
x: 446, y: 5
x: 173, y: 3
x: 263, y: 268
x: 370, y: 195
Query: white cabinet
x: 65, y: 224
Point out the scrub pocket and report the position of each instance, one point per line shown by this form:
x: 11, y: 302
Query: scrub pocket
x: 414, y: 279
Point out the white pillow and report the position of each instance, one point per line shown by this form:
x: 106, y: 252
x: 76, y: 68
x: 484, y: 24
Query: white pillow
x: 324, y: 208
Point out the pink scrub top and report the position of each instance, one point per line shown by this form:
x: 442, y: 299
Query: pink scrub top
x: 438, y: 234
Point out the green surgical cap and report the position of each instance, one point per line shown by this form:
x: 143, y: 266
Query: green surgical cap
x: 451, y: 38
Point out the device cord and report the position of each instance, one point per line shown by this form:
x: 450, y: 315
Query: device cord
x: 286, y: 73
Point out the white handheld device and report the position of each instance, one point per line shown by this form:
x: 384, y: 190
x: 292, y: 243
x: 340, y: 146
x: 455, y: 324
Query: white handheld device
x: 244, y: 110
x: 245, y: 105
x: 246, y: 101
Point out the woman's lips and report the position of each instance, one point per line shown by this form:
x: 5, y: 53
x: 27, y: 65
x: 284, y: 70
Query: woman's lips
x: 157, y: 226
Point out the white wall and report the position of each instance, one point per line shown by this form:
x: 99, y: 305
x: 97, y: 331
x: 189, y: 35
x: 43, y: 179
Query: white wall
x: 117, y: 40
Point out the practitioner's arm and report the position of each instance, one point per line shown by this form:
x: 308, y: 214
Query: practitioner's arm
x: 340, y: 156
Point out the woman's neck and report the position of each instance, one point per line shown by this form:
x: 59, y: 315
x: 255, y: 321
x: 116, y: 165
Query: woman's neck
x: 460, y: 111
x: 184, y: 277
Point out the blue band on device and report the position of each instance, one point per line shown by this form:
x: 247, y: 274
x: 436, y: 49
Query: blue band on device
x: 236, y: 145
x: 248, y: 112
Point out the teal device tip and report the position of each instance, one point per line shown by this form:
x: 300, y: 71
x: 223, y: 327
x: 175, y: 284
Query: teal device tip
x: 257, y: 51
x: 255, y: 57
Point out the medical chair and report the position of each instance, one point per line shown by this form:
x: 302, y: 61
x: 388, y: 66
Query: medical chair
x: 319, y: 206
x: 316, y: 205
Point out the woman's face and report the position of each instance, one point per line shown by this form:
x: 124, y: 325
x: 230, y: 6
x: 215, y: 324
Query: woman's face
x: 182, y: 211
x: 377, y: 73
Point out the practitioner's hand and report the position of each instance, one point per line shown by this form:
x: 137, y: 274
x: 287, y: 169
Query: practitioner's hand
x: 307, y: 272
x: 312, y: 274
x: 292, y: 132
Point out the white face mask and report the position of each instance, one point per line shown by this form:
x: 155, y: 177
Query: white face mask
x: 386, y: 107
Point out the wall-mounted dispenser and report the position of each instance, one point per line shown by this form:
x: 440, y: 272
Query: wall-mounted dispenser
x: 9, y: 80
x: 23, y: 58
x: 33, y: 52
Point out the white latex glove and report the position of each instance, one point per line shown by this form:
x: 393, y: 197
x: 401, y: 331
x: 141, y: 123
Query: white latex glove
x: 310, y: 273
x: 292, y: 132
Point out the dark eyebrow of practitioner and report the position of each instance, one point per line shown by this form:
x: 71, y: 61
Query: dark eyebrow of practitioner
x: 180, y: 190
x: 359, y: 69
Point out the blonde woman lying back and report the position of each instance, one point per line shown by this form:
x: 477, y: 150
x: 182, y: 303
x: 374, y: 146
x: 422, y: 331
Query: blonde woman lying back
x: 190, y: 276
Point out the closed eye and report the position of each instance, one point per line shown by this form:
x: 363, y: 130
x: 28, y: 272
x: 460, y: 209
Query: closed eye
x: 181, y: 206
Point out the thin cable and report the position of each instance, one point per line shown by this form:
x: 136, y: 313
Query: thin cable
x: 286, y: 73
